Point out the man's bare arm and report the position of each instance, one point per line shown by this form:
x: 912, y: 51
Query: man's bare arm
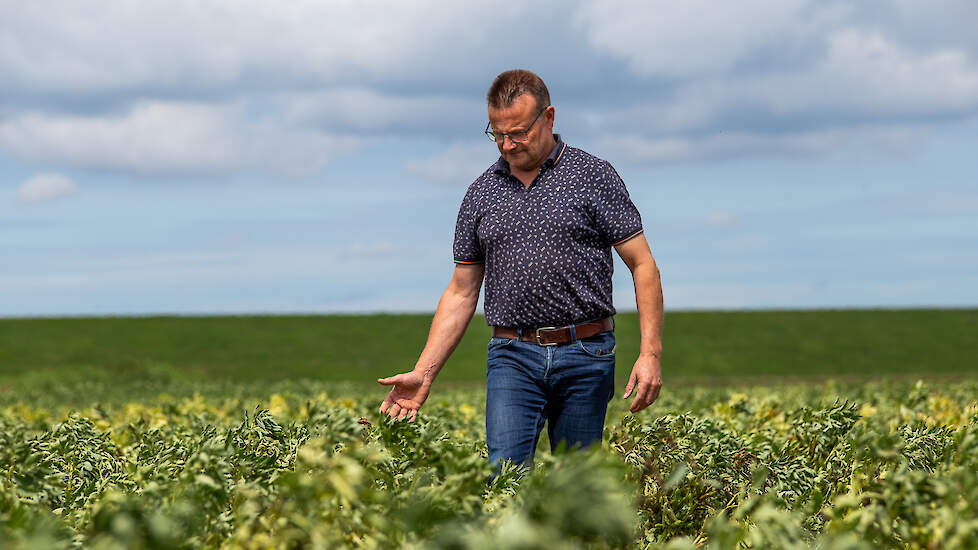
x: 646, y: 376
x: 455, y: 310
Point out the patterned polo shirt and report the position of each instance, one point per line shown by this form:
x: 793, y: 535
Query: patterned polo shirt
x: 546, y: 248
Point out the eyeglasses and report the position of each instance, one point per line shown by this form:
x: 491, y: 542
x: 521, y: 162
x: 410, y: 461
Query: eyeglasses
x: 516, y: 137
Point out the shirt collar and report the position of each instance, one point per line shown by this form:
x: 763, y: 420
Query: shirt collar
x: 502, y: 167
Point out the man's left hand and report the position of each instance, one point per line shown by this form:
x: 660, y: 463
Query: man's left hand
x: 645, y: 381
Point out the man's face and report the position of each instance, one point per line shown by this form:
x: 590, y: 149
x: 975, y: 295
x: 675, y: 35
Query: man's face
x: 529, y: 155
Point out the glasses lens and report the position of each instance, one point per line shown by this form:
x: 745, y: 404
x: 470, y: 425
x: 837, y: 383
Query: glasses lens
x: 517, y: 137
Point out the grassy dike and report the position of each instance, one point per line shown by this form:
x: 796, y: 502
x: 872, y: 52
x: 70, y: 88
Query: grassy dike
x: 700, y: 347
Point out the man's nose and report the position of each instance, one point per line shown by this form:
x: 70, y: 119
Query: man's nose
x: 508, y: 143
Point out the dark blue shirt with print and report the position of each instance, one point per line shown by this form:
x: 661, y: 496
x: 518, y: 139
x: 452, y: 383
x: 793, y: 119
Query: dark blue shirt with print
x: 546, y: 248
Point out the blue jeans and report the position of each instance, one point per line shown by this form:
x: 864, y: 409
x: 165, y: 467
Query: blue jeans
x: 567, y: 387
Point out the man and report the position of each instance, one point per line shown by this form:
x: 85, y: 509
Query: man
x: 539, y: 226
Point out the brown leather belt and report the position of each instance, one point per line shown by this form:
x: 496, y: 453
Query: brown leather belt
x: 551, y: 336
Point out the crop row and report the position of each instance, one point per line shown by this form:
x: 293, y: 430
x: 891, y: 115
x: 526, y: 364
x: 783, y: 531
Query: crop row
x: 313, y: 466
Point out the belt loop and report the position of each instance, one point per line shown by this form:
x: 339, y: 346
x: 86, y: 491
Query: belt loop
x: 573, y: 332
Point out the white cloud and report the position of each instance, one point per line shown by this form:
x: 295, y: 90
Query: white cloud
x: 45, y: 187
x: 158, y: 137
x: 771, y: 77
x: 693, y: 37
x: 868, y: 72
x: 858, y: 75
x: 892, y: 140
x: 339, y: 264
x: 366, y: 110
x: 722, y: 219
x: 92, y: 46
x: 189, y: 88
x: 456, y: 165
x: 225, y: 86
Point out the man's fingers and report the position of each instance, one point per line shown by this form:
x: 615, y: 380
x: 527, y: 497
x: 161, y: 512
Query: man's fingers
x: 404, y: 413
x: 647, y: 394
x: 414, y: 414
x: 656, y: 388
x: 641, y: 397
x: 390, y: 380
x: 395, y: 408
x: 630, y: 386
x: 386, y: 404
x: 635, y: 406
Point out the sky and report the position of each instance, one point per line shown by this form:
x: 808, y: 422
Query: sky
x: 236, y: 157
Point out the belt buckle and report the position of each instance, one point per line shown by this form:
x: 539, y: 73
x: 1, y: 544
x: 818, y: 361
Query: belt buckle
x: 538, y: 336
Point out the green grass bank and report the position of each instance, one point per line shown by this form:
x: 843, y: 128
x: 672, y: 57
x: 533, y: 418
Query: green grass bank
x: 700, y: 347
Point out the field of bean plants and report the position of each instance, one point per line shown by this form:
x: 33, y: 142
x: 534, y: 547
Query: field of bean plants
x: 313, y: 465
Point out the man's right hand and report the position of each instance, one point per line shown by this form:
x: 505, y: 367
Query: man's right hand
x: 454, y: 312
x: 406, y: 397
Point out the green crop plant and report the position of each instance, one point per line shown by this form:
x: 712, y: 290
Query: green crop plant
x: 313, y: 465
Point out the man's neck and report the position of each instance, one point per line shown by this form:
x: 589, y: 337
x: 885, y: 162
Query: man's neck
x: 525, y: 177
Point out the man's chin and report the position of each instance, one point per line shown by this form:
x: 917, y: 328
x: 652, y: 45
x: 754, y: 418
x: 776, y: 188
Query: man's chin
x: 517, y: 161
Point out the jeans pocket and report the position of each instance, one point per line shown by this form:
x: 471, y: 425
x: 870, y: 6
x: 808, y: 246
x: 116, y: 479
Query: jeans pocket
x: 599, y: 346
x: 496, y: 342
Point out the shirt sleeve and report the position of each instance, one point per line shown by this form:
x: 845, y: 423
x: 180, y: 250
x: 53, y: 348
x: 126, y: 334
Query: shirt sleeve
x: 466, y: 248
x: 615, y: 214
